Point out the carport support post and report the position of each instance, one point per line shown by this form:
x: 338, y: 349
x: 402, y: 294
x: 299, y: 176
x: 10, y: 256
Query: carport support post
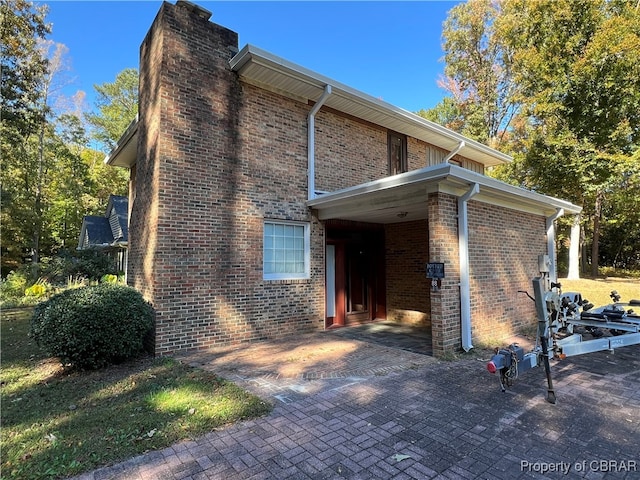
x: 443, y: 247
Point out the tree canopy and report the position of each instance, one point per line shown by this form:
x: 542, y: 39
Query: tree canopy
x: 50, y: 178
x: 562, y: 80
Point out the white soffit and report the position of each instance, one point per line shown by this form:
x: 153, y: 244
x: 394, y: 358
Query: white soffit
x: 126, y: 151
x: 263, y: 68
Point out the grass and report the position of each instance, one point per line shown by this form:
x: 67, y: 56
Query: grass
x: 57, y: 423
x: 597, y: 290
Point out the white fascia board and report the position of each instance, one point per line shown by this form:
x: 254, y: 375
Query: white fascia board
x: 126, y: 150
x: 498, y: 186
x: 457, y: 178
x: 251, y: 54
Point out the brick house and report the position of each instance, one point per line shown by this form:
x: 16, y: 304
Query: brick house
x: 267, y: 199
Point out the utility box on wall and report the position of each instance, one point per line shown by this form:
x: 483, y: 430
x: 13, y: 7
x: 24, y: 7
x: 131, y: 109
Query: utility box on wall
x: 543, y: 263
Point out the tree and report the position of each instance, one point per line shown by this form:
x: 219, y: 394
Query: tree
x: 117, y: 105
x: 579, y: 84
x: 50, y: 179
x: 23, y: 116
x: 446, y: 113
x: 22, y: 66
x: 478, y: 71
x: 558, y: 83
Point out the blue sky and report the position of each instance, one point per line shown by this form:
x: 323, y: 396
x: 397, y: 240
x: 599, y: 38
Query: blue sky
x: 390, y: 50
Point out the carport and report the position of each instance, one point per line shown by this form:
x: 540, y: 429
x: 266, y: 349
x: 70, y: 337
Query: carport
x: 438, y: 196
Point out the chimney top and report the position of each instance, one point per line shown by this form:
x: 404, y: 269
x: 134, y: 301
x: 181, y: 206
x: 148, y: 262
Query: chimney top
x: 197, y: 9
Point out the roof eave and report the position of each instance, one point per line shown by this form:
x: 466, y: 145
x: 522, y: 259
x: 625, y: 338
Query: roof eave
x: 126, y: 150
x: 443, y: 177
x: 263, y: 67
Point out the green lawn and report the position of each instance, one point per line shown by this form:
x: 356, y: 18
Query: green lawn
x: 57, y: 423
x: 597, y: 290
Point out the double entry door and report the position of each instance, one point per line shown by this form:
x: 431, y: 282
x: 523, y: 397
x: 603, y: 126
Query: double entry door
x: 355, y: 289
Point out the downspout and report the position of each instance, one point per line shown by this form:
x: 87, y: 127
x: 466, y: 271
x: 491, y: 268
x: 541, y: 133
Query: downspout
x: 463, y: 247
x: 311, y: 143
x: 453, y: 153
x: 551, y: 243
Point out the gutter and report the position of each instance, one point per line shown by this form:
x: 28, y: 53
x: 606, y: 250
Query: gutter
x: 463, y: 244
x: 453, y: 153
x: 551, y: 243
x: 311, y: 143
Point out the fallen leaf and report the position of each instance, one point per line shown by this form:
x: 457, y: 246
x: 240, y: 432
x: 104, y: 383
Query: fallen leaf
x: 399, y: 457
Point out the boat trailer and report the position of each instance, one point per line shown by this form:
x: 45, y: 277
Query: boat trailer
x: 560, y: 316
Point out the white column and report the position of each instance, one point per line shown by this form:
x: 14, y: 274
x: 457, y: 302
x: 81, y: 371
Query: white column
x: 574, y: 250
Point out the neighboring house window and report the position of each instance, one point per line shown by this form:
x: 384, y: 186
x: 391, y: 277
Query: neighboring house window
x: 397, y: 149
x: 286, y: 250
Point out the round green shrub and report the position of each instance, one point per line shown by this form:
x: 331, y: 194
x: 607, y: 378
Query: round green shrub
x: 94, y: 326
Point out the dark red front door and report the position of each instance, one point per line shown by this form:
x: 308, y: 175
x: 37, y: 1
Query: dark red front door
x: 359, y: 294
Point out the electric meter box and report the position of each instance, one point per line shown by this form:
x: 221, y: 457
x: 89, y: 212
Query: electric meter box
x: 543, y: 263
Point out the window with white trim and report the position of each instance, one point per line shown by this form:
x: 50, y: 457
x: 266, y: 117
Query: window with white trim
x: 285, y: 250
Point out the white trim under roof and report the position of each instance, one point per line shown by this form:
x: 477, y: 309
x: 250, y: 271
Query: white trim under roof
x: 403, y: 197
x: 265, y: 69
x: 125, y: 152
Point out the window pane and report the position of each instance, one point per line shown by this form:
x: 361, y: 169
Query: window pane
x: 289, y: 230
x: 284, y: 250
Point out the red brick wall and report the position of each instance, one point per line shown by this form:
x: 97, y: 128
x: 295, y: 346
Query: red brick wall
x: 503, y: 258
x: 218, y: 156
x: 407, y: 252
x: 504, y: 245
x: 443, y: 248
x: 350, y: 151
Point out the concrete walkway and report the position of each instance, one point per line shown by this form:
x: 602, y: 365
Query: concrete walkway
x: 408, y: 416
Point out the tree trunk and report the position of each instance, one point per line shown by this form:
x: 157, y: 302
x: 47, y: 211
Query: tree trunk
x: 596, y: 234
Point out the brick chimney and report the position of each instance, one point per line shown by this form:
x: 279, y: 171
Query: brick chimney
x: 182, y: 183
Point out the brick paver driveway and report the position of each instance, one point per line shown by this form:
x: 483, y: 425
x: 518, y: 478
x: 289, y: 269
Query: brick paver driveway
x: 407, y: 417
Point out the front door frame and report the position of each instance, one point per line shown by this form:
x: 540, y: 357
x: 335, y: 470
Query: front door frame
x: 342, y: 237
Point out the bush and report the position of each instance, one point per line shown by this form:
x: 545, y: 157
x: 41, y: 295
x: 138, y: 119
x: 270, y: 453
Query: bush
x: 91, y: 264
x: 91, y: 327
x: 12, y: 289
x: 109, y: 278
x: 37, y: 290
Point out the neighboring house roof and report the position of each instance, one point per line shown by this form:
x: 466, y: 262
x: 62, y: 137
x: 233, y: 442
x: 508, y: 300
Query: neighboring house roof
x: 286, y: 78
x: 117, y: 212
x: 108, y: 230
